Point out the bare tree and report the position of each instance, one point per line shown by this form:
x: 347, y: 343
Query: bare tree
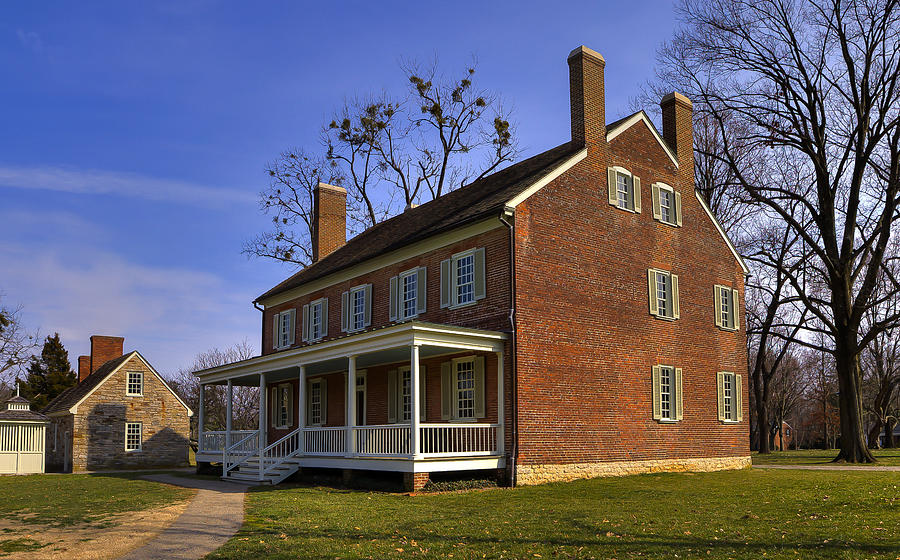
x: 390, y: 153
x: 17, y: 344
x: 815, y: 83
x: 245, y: 403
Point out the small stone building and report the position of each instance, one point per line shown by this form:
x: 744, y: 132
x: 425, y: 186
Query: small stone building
x: 120, y: 415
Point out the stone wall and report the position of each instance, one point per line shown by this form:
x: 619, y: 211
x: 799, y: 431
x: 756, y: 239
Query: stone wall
x: 59, y: 443
x: 99, y: 430
x: 540, y: 474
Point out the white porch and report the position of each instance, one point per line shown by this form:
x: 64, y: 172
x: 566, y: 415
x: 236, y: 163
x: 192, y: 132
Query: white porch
x: 414, y: 445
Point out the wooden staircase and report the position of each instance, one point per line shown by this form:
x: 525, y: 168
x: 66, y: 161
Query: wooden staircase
x: 279, y: 461
x: 248, y: 472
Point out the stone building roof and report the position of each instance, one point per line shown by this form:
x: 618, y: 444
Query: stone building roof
x: 68, y: 398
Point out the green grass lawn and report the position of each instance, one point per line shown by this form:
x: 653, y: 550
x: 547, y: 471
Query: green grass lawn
x: 751, y: 513
x: 69, y: 499
x: 886, y: 457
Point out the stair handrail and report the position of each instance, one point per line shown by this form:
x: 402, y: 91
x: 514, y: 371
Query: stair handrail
x: 278, y: 460
x: 227, y: 453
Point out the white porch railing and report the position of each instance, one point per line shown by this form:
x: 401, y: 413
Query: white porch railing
x: 325, y: 441
x: 212, y: 442
x: 389, y: 439
x: 459, y: 440
x: 277, y: 453
x: 240, y: 451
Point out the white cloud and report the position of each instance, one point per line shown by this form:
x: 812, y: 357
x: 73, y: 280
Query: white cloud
x: 169, y: 314
x: 101, y: 182
x: 30, y: 40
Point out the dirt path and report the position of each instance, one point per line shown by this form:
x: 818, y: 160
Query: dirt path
x: 213, y: 517
x: 88, y: 542
x: 832, y: 467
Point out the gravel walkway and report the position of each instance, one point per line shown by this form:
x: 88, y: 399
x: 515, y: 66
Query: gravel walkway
x: 831, y: 467
x: 213, y: 517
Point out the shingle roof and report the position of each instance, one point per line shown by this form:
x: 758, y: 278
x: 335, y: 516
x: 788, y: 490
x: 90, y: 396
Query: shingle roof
x: 19, y: 415
x: 65, y: 400
x: 18, y: 399
x: 465, y: 205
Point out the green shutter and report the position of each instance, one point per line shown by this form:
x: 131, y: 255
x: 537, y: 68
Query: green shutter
x: 309, y: 419
x: 717, y: 305
x: 421, y: 290
x: 651, y: 284
x: 275, y: 332
x: 394, y: 304
x: 611, y: 186
x: 480, y: 274
x: 655, y: 387
x: 273, y: 407
x: 679, y: 402
x: 637, y: 194
x: 676, y: 305
x: 367, y: 313
x: 678, y: 209
x: 479, y: 387
x: 345, y: 311
x: 654, y: 199
x: 446, y: 391
x: 720, y: 391
x: 739, y: 397
x: 445, y: 283
x: 293, y: 326
x: 393, y: 393
x: 422, y: 376
x: 305, y: 325
x: 735, y: 306
x: 324, y: 392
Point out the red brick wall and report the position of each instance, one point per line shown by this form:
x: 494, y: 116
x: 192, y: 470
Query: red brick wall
x: 586, y: 340
x: 492, y: 312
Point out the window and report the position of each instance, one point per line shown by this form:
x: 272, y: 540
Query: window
x: 405, y: 395
x: 283, y: 336
x: 315, y: 403
x: 624, y: 189
x: 135, y: 386
x: 400, y: 396
x: 408, y: 294
x: 730, y: 400
x: 667, y: 398
x: 663, y: 288
x: 282, y: 410
x: 726, y: 305
x: 465, y: 389
x: 666, y: 204
x: 315, y: 319
x: 463, y: 278
x: 356, y: 308
x: 133, y: 436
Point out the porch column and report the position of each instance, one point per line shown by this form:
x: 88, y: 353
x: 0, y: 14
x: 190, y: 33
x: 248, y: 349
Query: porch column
x: 261, y: 440
x: 414, y: 397
x: 351, y: 405
x: 228, y: 414
x: 200, y: 418
x: 501, y: 424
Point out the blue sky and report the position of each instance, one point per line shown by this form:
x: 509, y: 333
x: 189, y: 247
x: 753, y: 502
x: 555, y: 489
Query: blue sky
x: 135, y: 136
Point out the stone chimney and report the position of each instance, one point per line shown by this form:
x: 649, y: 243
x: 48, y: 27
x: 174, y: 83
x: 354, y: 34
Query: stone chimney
x: 329, y: 220
x: 104, y: 349
x: 587, y: 96
x: 678, y: 132
x: 84, y: 367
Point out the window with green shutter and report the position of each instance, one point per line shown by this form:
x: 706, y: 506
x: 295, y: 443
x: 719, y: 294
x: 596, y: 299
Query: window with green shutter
x: 667, y: 397
x: 463, y: 278
x: 624, y: 189
x: 663, y: 294
x: 726, y: 301
x: 666, y: 204
x: 730, y: 396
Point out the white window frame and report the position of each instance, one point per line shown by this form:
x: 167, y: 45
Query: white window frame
x: 673, y: 209
x: 140, y: 435
x: 140, y: 384
x: 404, y: 415
x: 357, y: 292
x: 729, y: 408
x: 313, y: 305
x: 401, y: 294
x: 667, y: 372
x: 726, y: 307
x: 454, y: 279
x: 283, y: 333
x: 317, y: 384
x: 454, y: 381
x: 672, y: 304
x: 283, y: 405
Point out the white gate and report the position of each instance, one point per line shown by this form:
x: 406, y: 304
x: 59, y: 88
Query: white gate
x: 21, y: 447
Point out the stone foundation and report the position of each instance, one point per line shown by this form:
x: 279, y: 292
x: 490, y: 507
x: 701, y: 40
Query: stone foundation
x: 539, y: 474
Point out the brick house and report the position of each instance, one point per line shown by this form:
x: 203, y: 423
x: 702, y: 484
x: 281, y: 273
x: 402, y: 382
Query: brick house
x: 120, y: 415
x: 573, y: 315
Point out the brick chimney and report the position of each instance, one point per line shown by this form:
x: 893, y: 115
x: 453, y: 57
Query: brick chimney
x: 678, y: 132
x: 84, y: 367
x: 104, y: 349
x: 587, y: 96
x: 329, y: 220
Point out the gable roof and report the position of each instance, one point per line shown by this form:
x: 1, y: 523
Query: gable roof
x: 22, y: 415
x: 618, y: 127
x: 68, y: 400
x: 477, y: 200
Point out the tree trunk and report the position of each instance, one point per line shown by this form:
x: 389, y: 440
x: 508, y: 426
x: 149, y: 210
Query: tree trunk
x: 875, y: 431
x: 889, y: 434
x: 853, y: 443
x: 762, y: 422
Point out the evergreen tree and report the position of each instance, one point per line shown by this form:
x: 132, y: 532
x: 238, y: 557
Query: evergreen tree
x: 49, y: 375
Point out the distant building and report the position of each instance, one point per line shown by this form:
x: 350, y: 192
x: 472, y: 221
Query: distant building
x: 120, y: 415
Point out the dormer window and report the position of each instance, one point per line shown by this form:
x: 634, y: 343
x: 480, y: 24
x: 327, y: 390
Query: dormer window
x: 624, y: 189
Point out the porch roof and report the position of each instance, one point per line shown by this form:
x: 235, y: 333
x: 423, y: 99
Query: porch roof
x: 379, y: 346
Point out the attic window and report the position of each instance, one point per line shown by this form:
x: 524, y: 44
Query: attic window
x: 624, y: 189
x: 135, y: 387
